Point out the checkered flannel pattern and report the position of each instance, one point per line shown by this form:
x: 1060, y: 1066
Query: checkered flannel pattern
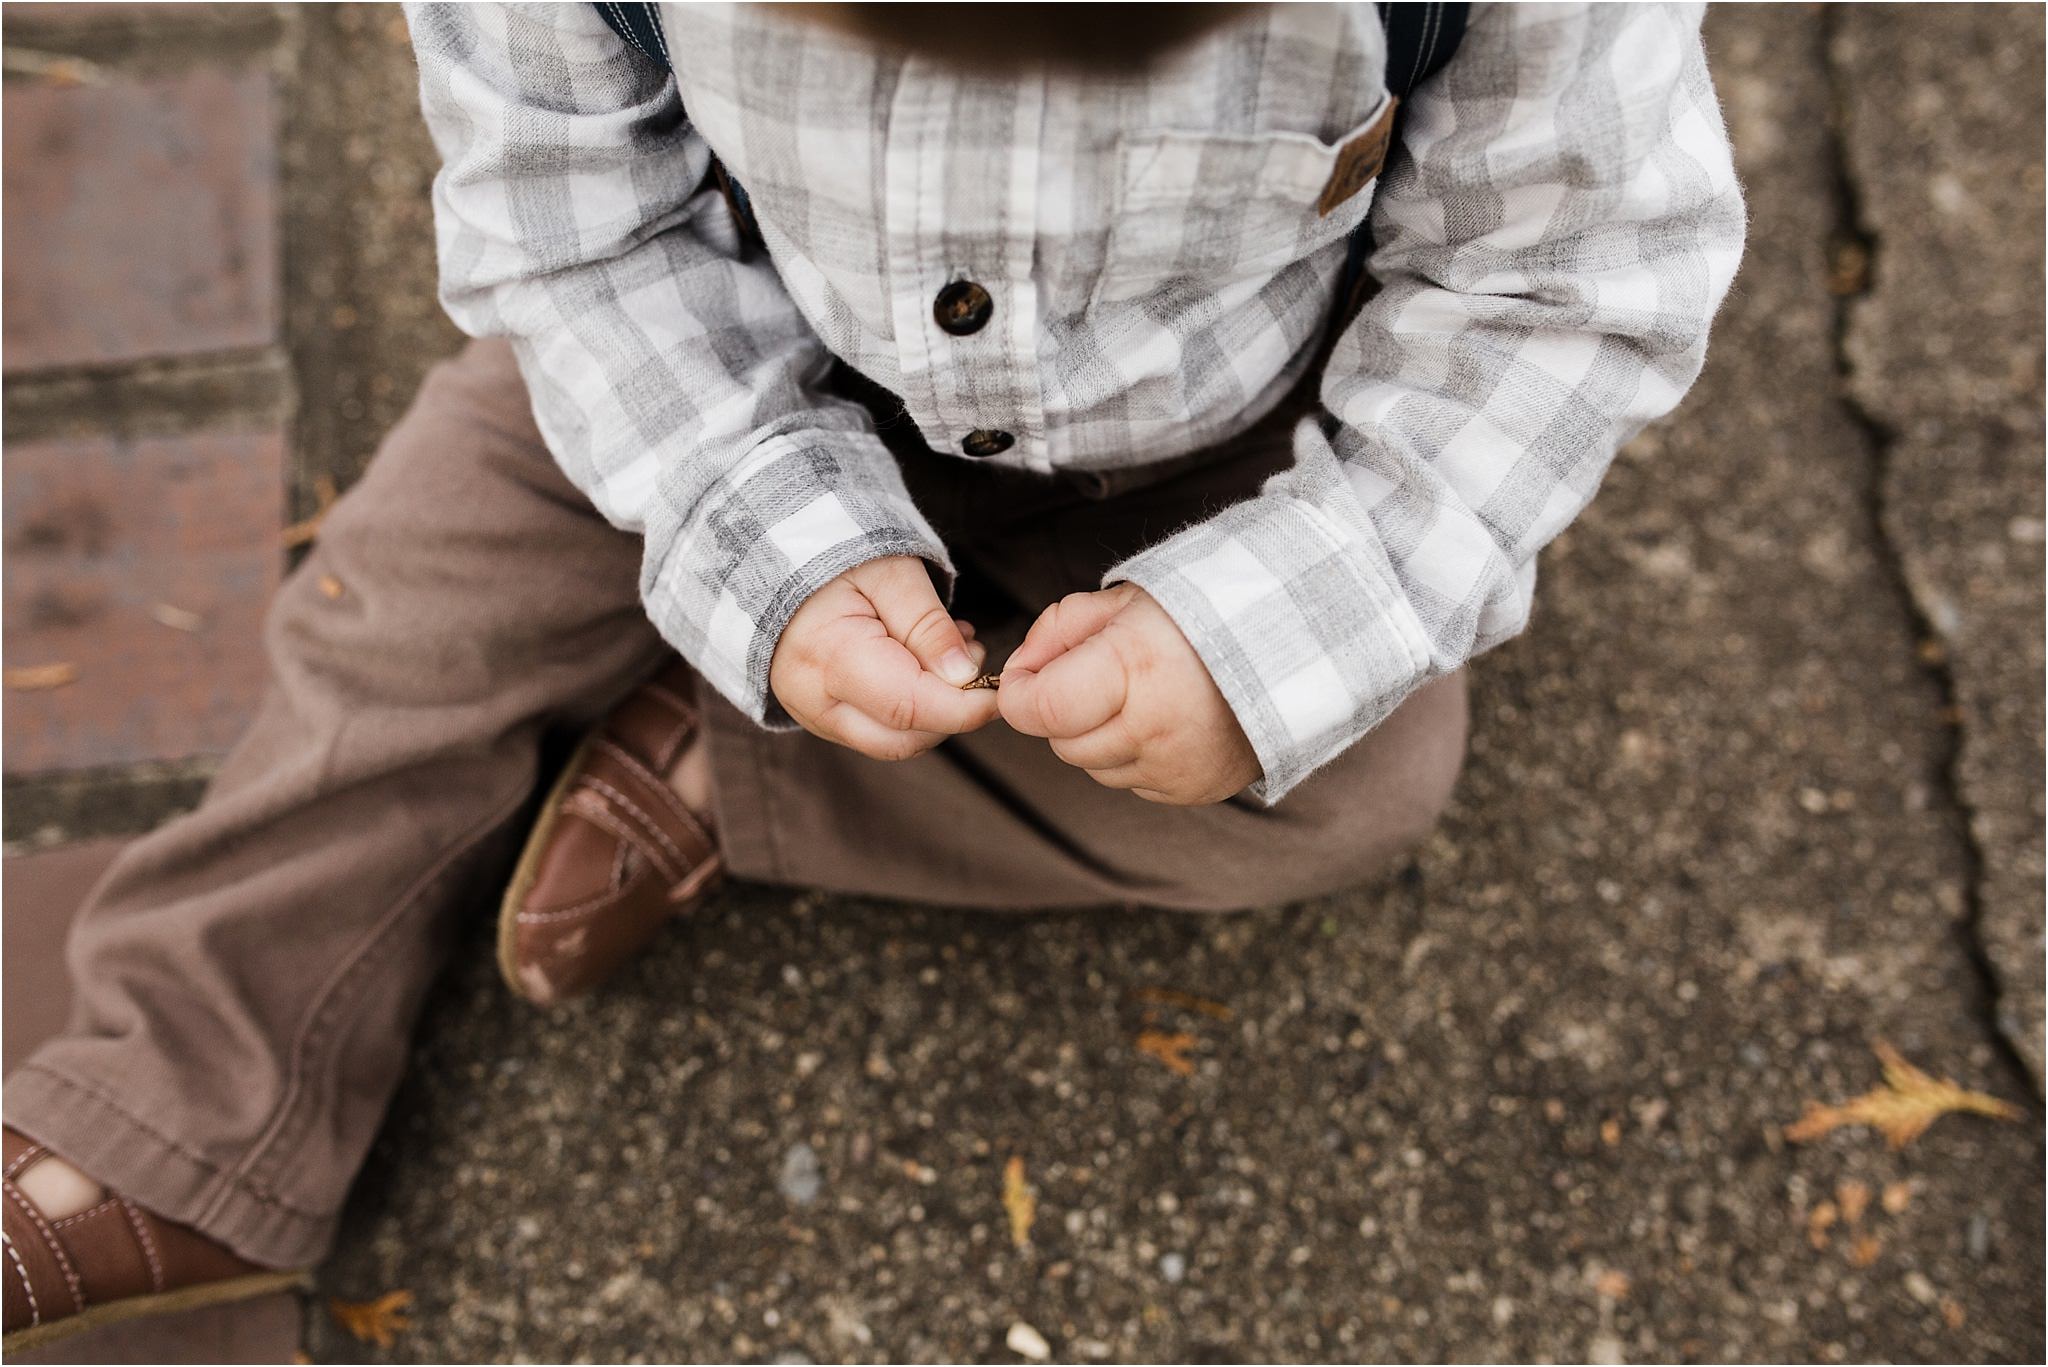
x: 1552, y: 245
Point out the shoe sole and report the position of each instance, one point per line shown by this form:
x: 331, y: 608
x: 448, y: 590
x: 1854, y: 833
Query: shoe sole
x: 528, y: 869
x: 162, y: 1303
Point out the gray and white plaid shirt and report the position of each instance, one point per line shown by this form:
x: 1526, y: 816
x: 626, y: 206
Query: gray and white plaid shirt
x: 1161, y: 255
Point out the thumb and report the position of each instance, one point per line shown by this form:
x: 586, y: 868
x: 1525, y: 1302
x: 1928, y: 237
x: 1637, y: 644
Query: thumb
x: 901, y: 592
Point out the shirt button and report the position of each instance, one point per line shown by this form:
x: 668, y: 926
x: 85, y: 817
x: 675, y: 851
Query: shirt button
x: 963, y: 308
x: 985, y: 441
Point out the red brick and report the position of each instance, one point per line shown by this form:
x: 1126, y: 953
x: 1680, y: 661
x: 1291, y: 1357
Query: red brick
x: 140, y: 218
x: 100, y: 534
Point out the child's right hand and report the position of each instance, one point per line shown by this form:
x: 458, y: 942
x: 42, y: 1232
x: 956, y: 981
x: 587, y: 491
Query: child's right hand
x: 874, y: 662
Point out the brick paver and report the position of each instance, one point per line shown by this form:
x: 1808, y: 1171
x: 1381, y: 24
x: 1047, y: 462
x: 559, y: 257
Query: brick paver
x: 140, y: 218
x: 144, y: 565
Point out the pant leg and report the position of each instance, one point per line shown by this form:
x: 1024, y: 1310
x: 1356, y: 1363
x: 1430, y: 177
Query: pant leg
x: 248, y: 975
x: 994, y: 819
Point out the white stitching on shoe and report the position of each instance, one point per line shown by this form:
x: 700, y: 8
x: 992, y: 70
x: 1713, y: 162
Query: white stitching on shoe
x: 668, y: 794
x: 665, y: 753
x: 652, y: 829
x: 600, y: 816
x: 86, y: 1214
x: 35, y: 1312
x: 58, y: 1255
x: 564, y: 913
x: 24, y: 1158
x: 156, y: 1269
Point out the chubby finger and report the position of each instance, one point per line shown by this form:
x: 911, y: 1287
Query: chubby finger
x: 1064, y: 625
x: 1077, y: 692
x: 1117, y: 776
x: 1106, y: 747
x: 856, y: 730
x: 884, y: 680
x: 903, y: 597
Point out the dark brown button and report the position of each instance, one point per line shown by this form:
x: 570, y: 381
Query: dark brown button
x: 984, y: 441
x: 963, y: 308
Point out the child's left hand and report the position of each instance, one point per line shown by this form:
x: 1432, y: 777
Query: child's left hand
x: 1110, y: 680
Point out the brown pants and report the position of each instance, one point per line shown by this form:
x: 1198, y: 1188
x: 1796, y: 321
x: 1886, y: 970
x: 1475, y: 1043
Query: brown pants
x: 248, y: 975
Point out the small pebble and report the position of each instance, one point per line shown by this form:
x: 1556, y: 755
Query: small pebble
x: 1173, y: 1267
x: 801, y: 1178
x: 1605, y: 1348
x: 1977, y: 1237
x: 1025, y: 1341
x: 1920, y: 1289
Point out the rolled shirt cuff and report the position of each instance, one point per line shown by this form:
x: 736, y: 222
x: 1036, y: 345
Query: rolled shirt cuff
x: 1301, y: 626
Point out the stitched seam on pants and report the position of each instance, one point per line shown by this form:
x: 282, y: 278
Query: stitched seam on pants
x: 325, y: 1003
x: 101, y: 1097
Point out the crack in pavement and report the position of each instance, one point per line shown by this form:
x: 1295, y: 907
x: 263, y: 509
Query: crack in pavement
x: 1853, y: 257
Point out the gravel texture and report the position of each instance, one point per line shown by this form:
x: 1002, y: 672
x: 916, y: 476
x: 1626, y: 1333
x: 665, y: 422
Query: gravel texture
x: 1525, y: 1098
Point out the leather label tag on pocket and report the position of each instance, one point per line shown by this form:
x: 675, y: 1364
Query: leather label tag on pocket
x: 1359, y: 160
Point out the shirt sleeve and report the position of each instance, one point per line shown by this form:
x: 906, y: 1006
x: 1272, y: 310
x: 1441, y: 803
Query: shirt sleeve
x: 672, y: 377
x: 1550, y: 252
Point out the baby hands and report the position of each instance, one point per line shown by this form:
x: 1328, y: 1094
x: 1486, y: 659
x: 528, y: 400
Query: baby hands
x: 874, y: 662
x: 1108, y: 678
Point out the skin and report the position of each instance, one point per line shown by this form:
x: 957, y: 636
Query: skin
x: 874, y: 662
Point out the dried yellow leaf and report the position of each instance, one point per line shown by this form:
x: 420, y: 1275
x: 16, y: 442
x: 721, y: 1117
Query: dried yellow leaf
x: 1854, y: 1198
x: 377, y: 1321
x: 1610, y: 1132
x: 1819, y: 1221
x: 1170, y: 1049
x: 1897, y: 1196
x: 1864, y: 1251
x: 36, y: 678
x: 1612, y: 1284
x: 1020, y: 1202
x: 330, y: 587
x: 177, y: 618
x: 307, y: 530
x: 1908, y: 1102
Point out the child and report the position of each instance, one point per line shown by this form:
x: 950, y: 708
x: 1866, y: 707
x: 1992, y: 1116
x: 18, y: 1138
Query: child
x: 1064, y: 343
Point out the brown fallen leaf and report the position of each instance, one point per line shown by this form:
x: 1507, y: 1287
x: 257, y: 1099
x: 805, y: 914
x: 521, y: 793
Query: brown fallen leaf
x: 377, y: 1321
x: 1864, y: 1251
x: 1020, y: 1202
x: 1612, y: 1284
x: 1908, y: 1102
x: 1166, y: 996
x: 1952, y: 1312
x: 307, y: 530
x: 35, y: 678
x: 177, y: 618
x: 1897, y: 1196
x: 1169, y: 1049
x: 1610, y: 1132
x: 1818, y: 1221
x: 1854, y: 1198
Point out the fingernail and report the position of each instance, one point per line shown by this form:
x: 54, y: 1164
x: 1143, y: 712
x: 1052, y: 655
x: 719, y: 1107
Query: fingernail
x: 955, y: 667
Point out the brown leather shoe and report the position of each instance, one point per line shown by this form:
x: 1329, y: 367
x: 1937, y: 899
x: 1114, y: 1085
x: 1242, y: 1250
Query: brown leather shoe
x: 111, y: 1261
x: 615, y: 854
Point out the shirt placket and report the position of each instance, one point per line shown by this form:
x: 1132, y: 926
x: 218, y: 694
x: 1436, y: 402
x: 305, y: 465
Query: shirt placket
x: 961, y: 198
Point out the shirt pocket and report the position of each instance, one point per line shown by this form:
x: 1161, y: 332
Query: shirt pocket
x: 1211, y: 208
